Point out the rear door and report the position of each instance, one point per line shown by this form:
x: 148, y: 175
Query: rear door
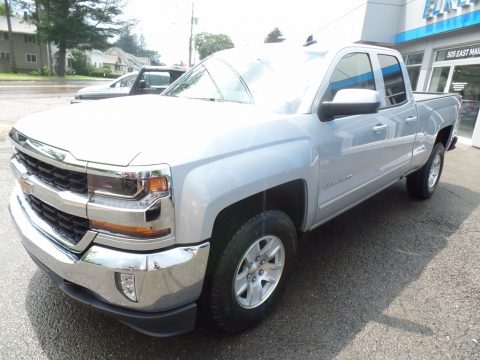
x: 398, y: 112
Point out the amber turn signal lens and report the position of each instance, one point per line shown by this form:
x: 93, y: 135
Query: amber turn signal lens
x: 129, y: 230
x: 158, y: 184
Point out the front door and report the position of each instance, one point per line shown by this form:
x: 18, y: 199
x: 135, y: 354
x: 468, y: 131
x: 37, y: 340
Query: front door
x: 352, y: 147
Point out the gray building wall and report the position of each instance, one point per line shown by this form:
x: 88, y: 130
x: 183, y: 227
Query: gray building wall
x: 22, y: 48
x: 382, y: 21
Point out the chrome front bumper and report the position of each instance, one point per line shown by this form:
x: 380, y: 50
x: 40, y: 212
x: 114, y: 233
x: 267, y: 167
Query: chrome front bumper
x: 164, y: 280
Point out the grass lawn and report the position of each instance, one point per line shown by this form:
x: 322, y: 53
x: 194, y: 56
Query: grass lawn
x: 19, y: 77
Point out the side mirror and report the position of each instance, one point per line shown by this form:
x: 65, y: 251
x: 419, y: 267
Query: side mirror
x: 142, y: 84
x: 350, y: 102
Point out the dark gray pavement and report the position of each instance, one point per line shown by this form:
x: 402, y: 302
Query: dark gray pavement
x: 392, y: 278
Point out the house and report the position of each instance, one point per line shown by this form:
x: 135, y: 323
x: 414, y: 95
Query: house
x: 29, y: 54
x: 117, y: 60
x: 122, y: 62
x: 95, y: 57
x: 115, y: 64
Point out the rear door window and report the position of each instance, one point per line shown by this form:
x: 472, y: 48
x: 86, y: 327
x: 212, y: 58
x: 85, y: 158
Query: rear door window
x: 393, y: 79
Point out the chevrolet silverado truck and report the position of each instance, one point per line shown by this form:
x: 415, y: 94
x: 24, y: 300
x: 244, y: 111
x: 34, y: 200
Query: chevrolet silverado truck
x: 149, y: 208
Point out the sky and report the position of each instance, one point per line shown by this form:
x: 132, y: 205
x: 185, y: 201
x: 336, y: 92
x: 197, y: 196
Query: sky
x: 165, y: 24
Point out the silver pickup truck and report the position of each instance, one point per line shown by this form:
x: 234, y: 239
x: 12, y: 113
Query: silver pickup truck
x: 147, y: 207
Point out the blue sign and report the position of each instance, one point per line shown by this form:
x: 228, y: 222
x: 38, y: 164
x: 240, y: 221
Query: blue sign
x: 439, y: 7
x: 463, y: 21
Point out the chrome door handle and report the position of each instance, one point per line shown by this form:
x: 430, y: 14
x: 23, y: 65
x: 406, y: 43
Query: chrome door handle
x: 411, y: 119
x: 379, y: 128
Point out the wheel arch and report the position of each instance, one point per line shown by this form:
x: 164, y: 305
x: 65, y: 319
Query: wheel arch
x: 281, y: 176
x: 444, y: 136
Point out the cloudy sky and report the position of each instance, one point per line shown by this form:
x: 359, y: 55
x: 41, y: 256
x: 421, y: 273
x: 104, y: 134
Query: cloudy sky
x: 166, y: 23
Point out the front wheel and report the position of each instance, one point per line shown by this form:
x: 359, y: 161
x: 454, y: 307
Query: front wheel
x: 422, y: 183
x: 251, y: 270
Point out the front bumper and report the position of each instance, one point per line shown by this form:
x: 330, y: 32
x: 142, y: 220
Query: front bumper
x: 164, y: 280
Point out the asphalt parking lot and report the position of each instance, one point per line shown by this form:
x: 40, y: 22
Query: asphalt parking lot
x: 392, y: 278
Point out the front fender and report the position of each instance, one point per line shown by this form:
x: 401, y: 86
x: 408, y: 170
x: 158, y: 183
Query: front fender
x: 210, y: 187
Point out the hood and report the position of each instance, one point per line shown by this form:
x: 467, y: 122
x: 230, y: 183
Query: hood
x: 94, y: 88
x: 155, y: 129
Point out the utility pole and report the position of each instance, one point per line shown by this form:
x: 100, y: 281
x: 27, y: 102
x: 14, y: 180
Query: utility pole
x: 191, y: 40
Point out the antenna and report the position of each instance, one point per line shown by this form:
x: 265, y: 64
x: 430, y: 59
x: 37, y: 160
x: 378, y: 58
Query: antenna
x: 310, y: 41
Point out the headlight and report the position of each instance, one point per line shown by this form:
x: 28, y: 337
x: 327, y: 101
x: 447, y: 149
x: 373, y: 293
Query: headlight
x: 116, y: 187
x: 133, y: 201
x: 128, y: 184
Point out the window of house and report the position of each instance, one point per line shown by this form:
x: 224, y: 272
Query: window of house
x: 29, y: 38
x: 4, y: 36
x: 414, y: 65
x: 4, y: 56
x: 393, y: 79
x: 31, y: 58
x: 353, y: 71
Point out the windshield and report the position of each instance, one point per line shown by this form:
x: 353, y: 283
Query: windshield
x: 275, y: 81
x: 124, y: 81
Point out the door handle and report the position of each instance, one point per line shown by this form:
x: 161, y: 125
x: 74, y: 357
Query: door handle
x: 379, y: 128
x: 411, y: 119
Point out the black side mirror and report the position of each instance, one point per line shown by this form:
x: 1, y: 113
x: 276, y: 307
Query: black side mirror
x: 350, y: 102
x: 142, y: 84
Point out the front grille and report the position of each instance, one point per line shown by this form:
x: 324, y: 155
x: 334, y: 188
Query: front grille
x: 59, y: 178
x: 73, y: 228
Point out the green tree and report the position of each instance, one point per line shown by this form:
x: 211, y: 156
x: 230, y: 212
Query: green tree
x: 128, y: 41
x: 153, y: 55
x: 3, y: 11
x: 132, y: 43
x: 274, y: 36
x: 207, y: 44
x: 81, y: 24
x: 80, y: 62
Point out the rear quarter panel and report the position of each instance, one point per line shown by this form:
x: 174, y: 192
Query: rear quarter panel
x: 435, y: 112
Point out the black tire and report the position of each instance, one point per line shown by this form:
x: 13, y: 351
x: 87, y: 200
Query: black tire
x: 418, y: 182
x: 220, y: 300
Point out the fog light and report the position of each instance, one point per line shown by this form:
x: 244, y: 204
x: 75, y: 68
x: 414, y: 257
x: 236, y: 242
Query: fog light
x: 126, y: 285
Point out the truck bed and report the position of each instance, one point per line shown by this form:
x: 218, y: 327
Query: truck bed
x: 425, y: 96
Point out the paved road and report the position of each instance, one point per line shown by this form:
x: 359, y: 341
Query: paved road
x: 20, y: 98
x: 391, y: 278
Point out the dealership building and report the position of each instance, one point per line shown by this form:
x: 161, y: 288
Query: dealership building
x: 439, y: 40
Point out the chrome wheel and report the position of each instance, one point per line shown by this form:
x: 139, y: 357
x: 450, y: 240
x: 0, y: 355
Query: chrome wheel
x: 434, y: 171
x: 259, y: 272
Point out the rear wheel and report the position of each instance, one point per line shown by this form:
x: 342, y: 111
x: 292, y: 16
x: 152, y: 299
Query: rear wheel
x: 251, y: 270
x: 422, y: 183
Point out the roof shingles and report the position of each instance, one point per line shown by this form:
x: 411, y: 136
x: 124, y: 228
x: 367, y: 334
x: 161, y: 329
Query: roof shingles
x: 18, y: 25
